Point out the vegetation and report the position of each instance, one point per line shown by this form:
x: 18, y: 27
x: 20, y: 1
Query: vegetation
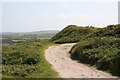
x: 109, y: 31
x: 104, y: 53
x: 72, y: 33
x: 27, y: 60
x: 98, y: 47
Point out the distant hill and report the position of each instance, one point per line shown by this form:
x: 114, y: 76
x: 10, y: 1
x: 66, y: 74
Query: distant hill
x: 45, y: 32
x: 10, y: 38
x: 35, y: 32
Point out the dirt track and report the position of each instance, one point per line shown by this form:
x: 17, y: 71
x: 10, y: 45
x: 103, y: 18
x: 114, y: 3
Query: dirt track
x: 60, y: 60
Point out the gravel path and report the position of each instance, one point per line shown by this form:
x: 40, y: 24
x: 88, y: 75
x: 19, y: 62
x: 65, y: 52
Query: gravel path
x: 58, y: 56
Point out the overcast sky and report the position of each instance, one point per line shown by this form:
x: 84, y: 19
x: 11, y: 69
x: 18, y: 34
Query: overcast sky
x: 36, y: 16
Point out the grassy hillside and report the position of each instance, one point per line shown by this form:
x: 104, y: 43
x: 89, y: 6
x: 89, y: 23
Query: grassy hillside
x: 109, y: 31
x: 72, y: 33
x: 98, y: 47
x: 27, y: 60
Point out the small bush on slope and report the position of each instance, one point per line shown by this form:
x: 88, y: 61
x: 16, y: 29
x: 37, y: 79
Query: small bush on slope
x: 104, y: 53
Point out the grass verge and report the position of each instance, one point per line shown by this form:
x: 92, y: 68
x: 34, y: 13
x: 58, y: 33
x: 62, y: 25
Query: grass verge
x: 48, y: 71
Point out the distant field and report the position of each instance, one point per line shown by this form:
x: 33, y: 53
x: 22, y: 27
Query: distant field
x: 16, y: 38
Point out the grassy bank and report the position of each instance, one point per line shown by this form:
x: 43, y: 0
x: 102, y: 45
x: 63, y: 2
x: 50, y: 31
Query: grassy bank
x: 27, y: 60
x: 103, y: 53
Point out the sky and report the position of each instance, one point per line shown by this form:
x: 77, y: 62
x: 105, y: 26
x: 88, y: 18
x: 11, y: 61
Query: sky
x: 119, y: 12
x: 36, y: 16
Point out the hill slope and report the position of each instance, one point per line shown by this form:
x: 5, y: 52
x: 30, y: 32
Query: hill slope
x: 104, y: 53
x: 74, y: 33
x: 109, y: 31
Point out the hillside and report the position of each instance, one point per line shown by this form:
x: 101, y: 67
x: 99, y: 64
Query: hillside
x: 104, y: 53
x: 99, y: 47
x: 73, y: 33
x: 109, y: 31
